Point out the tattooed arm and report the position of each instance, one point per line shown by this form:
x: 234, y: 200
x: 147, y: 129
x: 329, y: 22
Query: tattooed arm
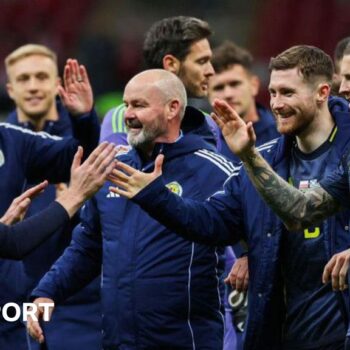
x: 295, y: 208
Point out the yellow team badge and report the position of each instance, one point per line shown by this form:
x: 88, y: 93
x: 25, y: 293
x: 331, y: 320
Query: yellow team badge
x: 175, y: 187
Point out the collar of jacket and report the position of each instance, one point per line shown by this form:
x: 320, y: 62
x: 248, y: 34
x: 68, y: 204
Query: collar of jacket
x: 196, y: 135
x: 60, y: 127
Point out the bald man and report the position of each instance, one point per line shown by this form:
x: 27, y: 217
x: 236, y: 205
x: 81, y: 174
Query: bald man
x: 159, y: 291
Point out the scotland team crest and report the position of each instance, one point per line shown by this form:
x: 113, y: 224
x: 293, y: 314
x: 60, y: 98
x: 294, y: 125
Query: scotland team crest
x: 2, y: 158
x: 175, y: 187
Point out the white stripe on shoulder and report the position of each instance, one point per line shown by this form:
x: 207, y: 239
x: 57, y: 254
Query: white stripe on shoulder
x: 224, y: 168
x: 235, y: 173
x: 218, y: 156
x: 217, y: 159
x: 268, y: 144
x: 41, y: 134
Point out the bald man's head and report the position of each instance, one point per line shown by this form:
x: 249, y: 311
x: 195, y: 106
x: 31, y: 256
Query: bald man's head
x: 155, y: 102
x: 169, y: 86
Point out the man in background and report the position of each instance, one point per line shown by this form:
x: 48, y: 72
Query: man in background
x: 235, y: 83
x: 337, y: 59
x: 179, y: 45
x: 33, y: 85
x: 344, y: 72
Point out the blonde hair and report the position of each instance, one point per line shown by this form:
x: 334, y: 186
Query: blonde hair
x: 29, y: 50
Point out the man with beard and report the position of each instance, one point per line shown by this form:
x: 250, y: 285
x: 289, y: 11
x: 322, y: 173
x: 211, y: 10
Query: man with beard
x: 34, y: 85
x: 235, y: 83
x: 159, y: 291
x: 289, y: 307
x: 179, y: 45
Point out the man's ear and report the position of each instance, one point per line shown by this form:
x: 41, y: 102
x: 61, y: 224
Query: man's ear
x: 171, y: 64
x: 9, y: 90
x: 323, y: 91
x: 255, y: 83
x: 173, y: 107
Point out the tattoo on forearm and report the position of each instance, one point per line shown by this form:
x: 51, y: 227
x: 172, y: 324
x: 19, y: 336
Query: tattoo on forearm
x: 295, y: 208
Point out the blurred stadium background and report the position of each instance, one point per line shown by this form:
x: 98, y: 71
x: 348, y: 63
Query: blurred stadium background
x: 107, y: 35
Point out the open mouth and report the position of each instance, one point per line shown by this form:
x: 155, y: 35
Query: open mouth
x: 34, y: 100
x: 285, y: 115
x: 133, y: 124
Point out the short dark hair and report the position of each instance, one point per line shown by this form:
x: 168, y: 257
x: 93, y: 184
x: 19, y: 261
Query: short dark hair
x: 173, y: 35
x: 311, y: 61
x: 339, y: 51
x: 228, y: 54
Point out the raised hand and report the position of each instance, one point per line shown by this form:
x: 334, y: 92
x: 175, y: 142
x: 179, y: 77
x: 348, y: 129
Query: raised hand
x: 89, y: 177
x: 130, y: 181
x: 238, y: 277
x: 33, y: 326
x: 239, y: 136
x: 336, y: 270
x: 20, y: 205
x: 76, y: 94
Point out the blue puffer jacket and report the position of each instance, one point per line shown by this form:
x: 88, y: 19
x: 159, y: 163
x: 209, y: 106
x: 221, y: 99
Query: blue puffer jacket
x: 238, y: 212
x: 84, y: 305
x: 159, y: 291
x: 29, y: 157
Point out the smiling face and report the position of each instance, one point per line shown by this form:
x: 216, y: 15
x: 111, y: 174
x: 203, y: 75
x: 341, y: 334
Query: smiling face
x: 236, y: 86
x: 196, y: 69
x: 292, y: 101
x: 33, y: 83
x: 145, y: 114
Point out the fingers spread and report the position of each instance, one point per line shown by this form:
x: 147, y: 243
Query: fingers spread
x: 96, y: 152
x: 120, y: 191
x: 105, y: 158
x: 118, y: 175
x: 83, y: 74
x: 77, y: 158
x: 217, y: 120
x: 126, y: 168
x: 335, y: 275
x: 328, y: 270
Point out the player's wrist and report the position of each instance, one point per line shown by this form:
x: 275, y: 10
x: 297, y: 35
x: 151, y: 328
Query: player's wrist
x: 71, y: 201
x: 248, y: 155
